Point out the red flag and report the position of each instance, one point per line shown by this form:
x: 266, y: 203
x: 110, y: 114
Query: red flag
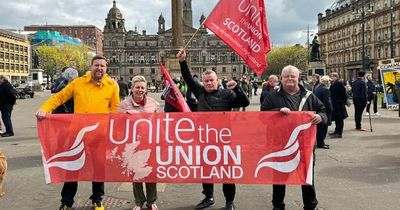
x: 242, y: 25
x: 171, y: 93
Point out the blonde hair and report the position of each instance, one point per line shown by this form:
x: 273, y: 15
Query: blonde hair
x: 138, y: 78
x: 325, y: 80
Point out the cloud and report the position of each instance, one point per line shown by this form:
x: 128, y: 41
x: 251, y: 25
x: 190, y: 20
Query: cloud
x: 287, y: 19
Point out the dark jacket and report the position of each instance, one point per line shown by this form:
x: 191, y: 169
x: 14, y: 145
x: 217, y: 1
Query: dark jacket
x: 277, y: 100
x: 339, y: 98
x: 359, y: 88
x: 266, y: 89
x: 7, y: 96
x: 370, y: 89
x: 218, y: 100
x: 323, y: 94
x: 67, y: 107
x: 191, y: 100
x: 123, y: 89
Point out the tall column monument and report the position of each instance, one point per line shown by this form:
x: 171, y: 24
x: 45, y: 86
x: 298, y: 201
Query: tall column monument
x: 172, y: 63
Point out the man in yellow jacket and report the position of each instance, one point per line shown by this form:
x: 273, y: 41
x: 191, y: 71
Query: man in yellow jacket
x: 93, y: 93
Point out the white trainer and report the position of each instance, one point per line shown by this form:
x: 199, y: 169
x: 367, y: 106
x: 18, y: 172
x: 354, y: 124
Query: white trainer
x: 137, y: 208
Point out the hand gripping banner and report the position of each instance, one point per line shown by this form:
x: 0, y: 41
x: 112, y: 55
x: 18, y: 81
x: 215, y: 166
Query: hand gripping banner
x: 208, y: 147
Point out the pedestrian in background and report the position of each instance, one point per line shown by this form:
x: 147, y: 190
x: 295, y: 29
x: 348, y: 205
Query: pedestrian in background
x: 93, y: 93
x: 396, y: 93
x: 269, y: 86
x: 371, y: 97
x: 7, y: 102
x: 324, y: 95
x: 288, y: 98
x: 359, y: 88
x: 141, y: 103
x: 339, y: 99
x: 123, y: 88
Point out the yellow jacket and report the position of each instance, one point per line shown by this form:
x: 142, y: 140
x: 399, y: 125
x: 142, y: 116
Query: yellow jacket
x: 88, y: 96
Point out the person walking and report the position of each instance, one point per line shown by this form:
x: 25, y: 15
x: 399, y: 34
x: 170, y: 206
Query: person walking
x: 141, y: 103
x: 371, y: 97
x: 286, y: 99
x: 324, y: 95
x: 359, y: 88
x: 339, y: 98
x: 212, y: 98
x: 7, y: 102
x: 93, y: 93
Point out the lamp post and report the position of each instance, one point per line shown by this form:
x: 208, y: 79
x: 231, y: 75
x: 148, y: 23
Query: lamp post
x: 359, y: 10
x: 392, y: 46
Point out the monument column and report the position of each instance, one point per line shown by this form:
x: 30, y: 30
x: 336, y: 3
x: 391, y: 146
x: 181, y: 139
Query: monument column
x: 177, y: 20
x: 172, y: 63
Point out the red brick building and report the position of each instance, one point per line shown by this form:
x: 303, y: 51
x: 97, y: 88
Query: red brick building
x: 88, y: 34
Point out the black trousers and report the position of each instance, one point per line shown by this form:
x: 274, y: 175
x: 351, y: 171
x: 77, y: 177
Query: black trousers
x: 6, y: 117
x: 373, y: 100
x: 309, y: 196
x: 69, y: 189
x: 228, y: 189
x: 322, y: 129
x: 359, y: 106
x: 310, y: 201
x: 339, y: 127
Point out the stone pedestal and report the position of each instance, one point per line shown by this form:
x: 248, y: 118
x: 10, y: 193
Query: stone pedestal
x: 172, y: 64
x: 316, y: 67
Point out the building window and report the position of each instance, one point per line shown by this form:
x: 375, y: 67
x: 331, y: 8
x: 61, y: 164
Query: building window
x: 130, y: 71
x: 141, y: 71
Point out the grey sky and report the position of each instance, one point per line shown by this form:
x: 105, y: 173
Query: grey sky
x: 287, y: 19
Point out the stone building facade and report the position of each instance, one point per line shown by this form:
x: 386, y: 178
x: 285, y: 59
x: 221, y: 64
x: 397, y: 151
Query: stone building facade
x: 133, y: 53
x: 14, y: 56
x: 341, y: 36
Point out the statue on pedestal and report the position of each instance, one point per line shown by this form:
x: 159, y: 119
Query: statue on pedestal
x: 315, y: 54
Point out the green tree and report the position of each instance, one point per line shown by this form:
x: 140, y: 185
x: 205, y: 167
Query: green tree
x: 50, y: 61
x: 54, y: 58
x: 280, y: 57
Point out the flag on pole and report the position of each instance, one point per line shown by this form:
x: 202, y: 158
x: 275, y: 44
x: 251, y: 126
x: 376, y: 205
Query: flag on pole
x: 171, y: 93
x: 242, y: 25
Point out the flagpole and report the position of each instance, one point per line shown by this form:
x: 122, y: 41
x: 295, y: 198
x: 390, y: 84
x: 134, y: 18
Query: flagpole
x: 191, y: 38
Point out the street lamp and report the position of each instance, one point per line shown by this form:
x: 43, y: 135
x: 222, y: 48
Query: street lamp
x: 392, y: 46
x: 359, y: 11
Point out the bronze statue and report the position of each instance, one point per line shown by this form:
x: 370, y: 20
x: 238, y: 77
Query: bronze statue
x: 315, y: 54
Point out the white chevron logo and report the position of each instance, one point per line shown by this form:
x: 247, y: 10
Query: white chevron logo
x: 291, y: 148
x: 77, y: 148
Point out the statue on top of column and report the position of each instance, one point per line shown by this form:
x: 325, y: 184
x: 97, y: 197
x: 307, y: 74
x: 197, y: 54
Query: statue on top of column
x: 315, y: 54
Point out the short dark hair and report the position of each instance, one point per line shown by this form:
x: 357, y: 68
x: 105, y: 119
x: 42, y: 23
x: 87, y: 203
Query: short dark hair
x: 63, y: 69
x: 98, y: 57
x: 361, y: 73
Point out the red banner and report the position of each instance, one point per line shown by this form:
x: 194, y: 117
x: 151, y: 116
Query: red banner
x: 172, y: 94
x: 242, y: 25
x: 180, y: 147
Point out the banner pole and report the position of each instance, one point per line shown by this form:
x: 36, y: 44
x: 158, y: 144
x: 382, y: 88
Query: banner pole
x: 191, y: 38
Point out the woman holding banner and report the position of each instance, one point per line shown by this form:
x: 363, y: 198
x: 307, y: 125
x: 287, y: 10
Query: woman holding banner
x: 141, y: 103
